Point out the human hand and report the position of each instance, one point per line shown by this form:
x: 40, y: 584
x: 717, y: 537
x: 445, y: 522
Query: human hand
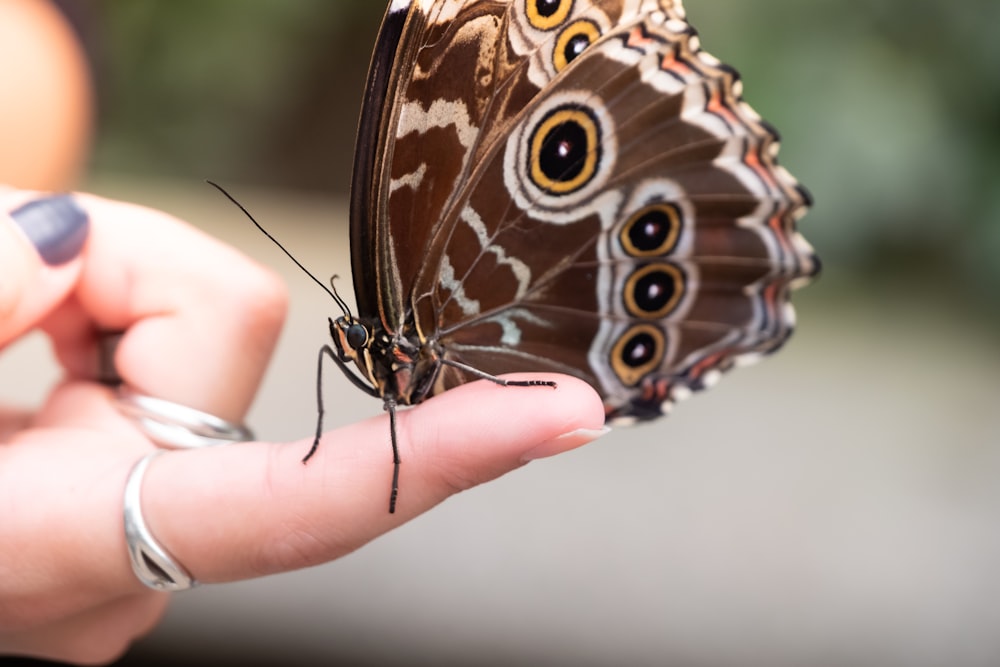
x: 199, y: 323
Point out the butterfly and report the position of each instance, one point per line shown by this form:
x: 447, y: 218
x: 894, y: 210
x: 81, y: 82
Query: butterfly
x: 566, y: 186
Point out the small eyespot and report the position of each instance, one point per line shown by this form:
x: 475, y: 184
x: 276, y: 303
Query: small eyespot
x: 638, y: 352
x: 565, y: 150
x: 573, y: 41
x: 652, y: 231
x: 654, y: 290
x: 547, y: 14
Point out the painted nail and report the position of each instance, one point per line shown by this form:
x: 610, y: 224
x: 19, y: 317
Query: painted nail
x: 56, y: 225
x: 565, y: 443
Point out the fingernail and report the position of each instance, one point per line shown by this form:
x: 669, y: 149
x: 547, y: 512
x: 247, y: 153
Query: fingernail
x: 56, y: 225
x: 565, y: 443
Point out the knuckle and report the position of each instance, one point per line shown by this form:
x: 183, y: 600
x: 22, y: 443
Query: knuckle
x: 259, y: 294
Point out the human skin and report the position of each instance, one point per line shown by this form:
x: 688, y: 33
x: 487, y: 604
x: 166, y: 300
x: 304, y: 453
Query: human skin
x: 47, y: 113
x: 199, y: 323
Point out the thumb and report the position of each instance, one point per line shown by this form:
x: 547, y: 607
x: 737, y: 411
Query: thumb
x: 41, y: 240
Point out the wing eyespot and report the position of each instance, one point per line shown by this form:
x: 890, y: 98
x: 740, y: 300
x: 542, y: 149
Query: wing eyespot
x: 547, y: 14
x: 573, y: 41
x: 565, y: 150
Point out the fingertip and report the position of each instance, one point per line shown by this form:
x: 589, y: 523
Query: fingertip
x: 566, y: 442
x: 56, y: 225
x: 41, y: 241
x: 479, y: 431
x: 520, y: 411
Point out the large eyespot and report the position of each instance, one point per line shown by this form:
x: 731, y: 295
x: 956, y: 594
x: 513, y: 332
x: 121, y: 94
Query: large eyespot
x: 565, y: 150
x: 652, y: 231
x: 559, y: 158
x: 573, y: 41
x: 638, y: 352
x: 547, y: 14
x: 654, y: 290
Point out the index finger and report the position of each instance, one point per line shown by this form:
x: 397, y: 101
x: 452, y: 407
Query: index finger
x: 200, y: 319
x: 261, y: 511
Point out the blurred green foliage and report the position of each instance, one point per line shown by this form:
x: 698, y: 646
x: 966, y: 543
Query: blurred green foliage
x: 257, y: 90
x: 889, y: 110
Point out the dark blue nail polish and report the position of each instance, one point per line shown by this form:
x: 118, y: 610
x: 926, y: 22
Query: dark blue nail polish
x: 56, y: 225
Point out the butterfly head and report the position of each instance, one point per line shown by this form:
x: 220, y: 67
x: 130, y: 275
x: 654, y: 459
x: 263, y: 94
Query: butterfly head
x: 351, y: 337
x: 353, y: 341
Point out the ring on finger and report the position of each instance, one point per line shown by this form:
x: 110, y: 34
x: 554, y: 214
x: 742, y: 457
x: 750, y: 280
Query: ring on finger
x: 174, y: 426
x: 151, y: 562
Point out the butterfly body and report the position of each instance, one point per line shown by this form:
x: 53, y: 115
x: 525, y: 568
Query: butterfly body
x: 393, y: 367
x: 399, y: 369
x: 564, y: 186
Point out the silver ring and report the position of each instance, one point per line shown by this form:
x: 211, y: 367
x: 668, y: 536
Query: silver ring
x: 175, y: 426
x: 152, y: 564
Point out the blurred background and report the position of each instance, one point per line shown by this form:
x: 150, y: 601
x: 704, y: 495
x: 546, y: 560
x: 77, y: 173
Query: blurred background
x: 837, y: 505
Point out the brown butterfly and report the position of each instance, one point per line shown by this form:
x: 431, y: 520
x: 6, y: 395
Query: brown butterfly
x: 562, y: 186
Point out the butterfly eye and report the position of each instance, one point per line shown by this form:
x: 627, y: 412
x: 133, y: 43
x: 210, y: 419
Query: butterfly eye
x: 547, y: 14
x: 565, y: 150
x: 573, y: 41
x: 654, y: 290
x: 357, y: 336
x: 653, y: 231
x: 637, y: 353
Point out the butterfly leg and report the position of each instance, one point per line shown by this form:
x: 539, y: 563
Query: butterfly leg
x: 328, y: 351
x: 390, y: 407
x: 496, y: 380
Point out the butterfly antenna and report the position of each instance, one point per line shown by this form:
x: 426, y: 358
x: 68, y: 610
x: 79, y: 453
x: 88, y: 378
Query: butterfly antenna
x: 336, y: 297
x: 275, y: 241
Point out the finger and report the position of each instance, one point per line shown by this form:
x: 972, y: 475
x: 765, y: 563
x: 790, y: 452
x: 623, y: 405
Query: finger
x: 41, y: 239
x: 70, y: 599
x: 250, y: 509
x: 65, y: 478
x: 260, y: 510
x: 200, y: 320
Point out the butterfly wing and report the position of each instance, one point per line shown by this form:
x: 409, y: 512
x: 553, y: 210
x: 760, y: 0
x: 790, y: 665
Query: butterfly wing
x: 577, y: 187
x: 413, y: 106
x: 444, y: 79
